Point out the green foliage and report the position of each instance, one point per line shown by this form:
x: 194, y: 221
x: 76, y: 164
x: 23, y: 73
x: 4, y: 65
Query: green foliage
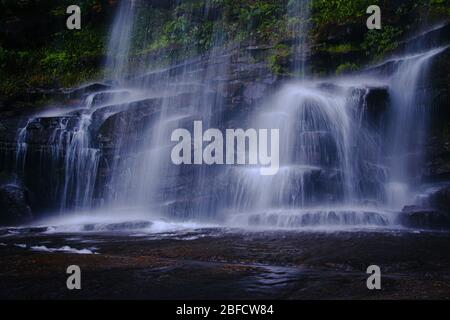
x: 278, y: 60
x: 257, y: 13
x: 440, y: 7
x: 339, y: 11
x: 258, y: 19
x: 55, y: 61
x: 341, y: 48
x: 43, y: 52
x: 379, y: 42
x: 346, y: 67
x: 47, y: 54
x: 194, y: 26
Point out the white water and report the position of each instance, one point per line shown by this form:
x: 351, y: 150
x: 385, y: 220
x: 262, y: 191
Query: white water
x: 331, y: 159
x: 336, y: 170
x: 299, y: 25
x: 119, y: 47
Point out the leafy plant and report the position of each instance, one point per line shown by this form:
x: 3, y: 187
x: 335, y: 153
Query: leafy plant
x: 346, y: 67
x: 379, y: 42
x: 278, y: 60
x: 339, y: 11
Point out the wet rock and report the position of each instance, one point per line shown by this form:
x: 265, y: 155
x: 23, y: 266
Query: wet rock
x: 122, y: 226
x: 434, y: 38
x: 377, y: 102
x: 427, y: 218
x: 254, y: 91
x: 437, y: 167
x: 86, y: 89
x: 51, y: 130
x: 9, y: 128
x: 14, y: 208
x: 159, y: 4
x: 441, y: 199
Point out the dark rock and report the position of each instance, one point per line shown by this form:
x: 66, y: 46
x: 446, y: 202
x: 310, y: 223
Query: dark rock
x: 433, y: 38
x: 441, y: 199
x: 43, y: 131
x: 377, y: 102
x: 122, y: 226
x: 254, y: 91
x: 427, y: 218
x: 159, y: 4
x: 437, y: 166
x: 115, y: 124
x: 14, y: 206
x: 86, y: 89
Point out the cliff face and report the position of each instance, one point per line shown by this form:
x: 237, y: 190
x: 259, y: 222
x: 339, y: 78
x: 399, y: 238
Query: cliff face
x: 257, y: 57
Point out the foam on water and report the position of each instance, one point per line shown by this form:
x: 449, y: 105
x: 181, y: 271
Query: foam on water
x: 64, y: 249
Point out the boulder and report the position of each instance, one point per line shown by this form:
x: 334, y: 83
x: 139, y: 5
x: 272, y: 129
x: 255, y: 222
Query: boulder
x: 14, y: 208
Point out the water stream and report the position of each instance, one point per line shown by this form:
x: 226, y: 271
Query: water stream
x: 337, y: 168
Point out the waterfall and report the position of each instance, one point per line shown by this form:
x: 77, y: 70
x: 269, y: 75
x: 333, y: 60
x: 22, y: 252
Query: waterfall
x: 81, y: 163
x: 338, y: 167
x: 120, y: 40
x: 191, y: 93
x: 299, y: 25
x: 71, y: 161
x: 408, y: 125
x: 328, y: 165
x: 22, y: 148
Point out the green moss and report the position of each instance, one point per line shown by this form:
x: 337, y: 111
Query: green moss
x: 440, y: 8
x: 57, y: 56
x: 341, y: 48
x: 339, y: 12
x: 44, y: 53
x: 346, y: 68
x: 377, y: 43
x: 278, y: 60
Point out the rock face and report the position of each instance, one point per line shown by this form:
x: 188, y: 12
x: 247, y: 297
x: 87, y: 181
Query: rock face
x: 426, y: 218
x: 14, y: 205
x: 116, y: 129
x: 432, y: 213
x: 437, y: 167
x: 441, y: 199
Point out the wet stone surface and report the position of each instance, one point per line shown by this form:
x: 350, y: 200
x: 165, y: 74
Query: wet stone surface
x: 225, y: 264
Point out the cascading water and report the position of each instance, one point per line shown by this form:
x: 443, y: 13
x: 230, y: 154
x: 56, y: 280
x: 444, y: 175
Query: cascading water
x: 22, y: 148
x: 120, y: 41
x: 328, y: 164
x: 299, y: 25
x: 336, y: 168
x: 81, y: 163
x: 191, y: 93
x: 408, y: 118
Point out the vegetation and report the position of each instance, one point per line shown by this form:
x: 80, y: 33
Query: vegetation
x: 346, y: 67
x: 379, y: 42
x: 36, y: 50
x: 327, y: 12
x: 278, y: 59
